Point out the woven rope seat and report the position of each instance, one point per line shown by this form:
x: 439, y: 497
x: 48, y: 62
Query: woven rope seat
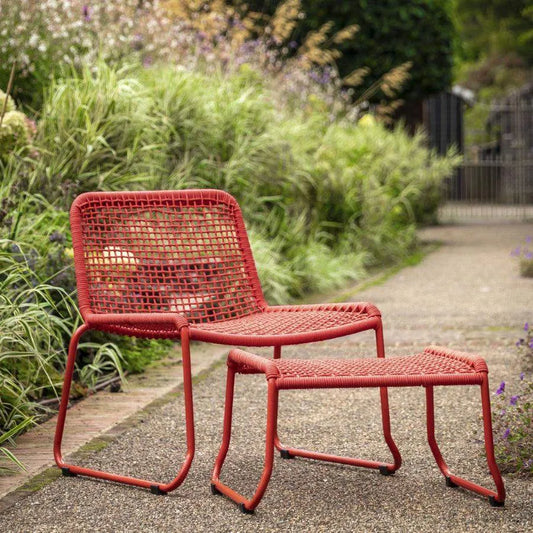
x: 435, y: 366
x: 268, y: 327
x: 304, y: 323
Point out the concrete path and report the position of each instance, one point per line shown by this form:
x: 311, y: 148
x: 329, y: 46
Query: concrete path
x: 466, y: 295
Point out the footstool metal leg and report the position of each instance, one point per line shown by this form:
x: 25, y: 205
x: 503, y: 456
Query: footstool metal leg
x: 430, y: 417
x: 247, y: 506
x: 287, y: 452
x: 226, y: 432
x: 496, y: 499
x: 499, y: 499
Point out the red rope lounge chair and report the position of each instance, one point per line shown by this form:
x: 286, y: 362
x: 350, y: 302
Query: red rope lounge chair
x: 436, y: 366
x: 178, y: 265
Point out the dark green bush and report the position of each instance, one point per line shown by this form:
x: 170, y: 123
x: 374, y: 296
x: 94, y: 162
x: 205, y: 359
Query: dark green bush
x: 391, y: 32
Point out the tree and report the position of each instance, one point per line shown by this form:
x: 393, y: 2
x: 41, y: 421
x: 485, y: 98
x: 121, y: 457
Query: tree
x: 495, y: 27
x: 391, y: 32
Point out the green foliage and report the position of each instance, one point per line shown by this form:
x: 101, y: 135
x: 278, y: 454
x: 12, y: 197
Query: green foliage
x: 35, y: 318
x: 8, y: 454
x: 299, y: 177
x: 512, y: 414
x: 513, y: 426
x: 390, y: 33
x: 102, y: 131
x: 130, y: 354
x: 496, y: 27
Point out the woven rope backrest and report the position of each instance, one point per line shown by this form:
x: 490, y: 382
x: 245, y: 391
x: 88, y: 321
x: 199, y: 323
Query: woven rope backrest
x: 164, y: 251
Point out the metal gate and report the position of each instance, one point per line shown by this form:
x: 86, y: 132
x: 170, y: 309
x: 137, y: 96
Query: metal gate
x: 495, y: 179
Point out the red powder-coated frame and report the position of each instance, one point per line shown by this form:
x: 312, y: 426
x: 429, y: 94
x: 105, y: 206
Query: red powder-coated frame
x: 436, y: 366
x: 178, y: 265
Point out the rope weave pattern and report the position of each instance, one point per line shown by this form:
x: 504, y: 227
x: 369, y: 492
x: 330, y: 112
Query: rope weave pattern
x: 286, y: 321
x: 182, y: 251
x: 426, y: 364
x: 436, y: 366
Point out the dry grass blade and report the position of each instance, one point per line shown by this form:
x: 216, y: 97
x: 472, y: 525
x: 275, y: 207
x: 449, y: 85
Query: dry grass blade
x: 284, y: 20
x: 393, y: 80
x: 346, y: 34
x: 356, y: 77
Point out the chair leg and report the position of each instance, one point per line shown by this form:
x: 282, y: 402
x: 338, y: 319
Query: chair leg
x: 246, y: 505
x: 385, y: 412
x: 226, y: 432
x: 496, y: 499
x: 277, y: 443
x: 155, y: 487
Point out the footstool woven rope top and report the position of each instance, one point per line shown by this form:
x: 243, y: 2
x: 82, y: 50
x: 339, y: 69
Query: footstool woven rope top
x: 435, y: 366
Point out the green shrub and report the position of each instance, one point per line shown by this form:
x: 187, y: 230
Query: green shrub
x: 512, y: 414
x: 35, y: 319
x: 513, y: 426
x: 101, y: 131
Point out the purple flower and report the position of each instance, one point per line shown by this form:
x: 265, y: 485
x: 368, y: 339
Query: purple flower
x: 531, y: 343
x: 503, y: 411
x: 529, y: 255
x: 526, y: 326
x: 86, y: 13
x: 528, y: 239
x: 513, y: 400
x: 501, y: 388
x: 522, y: 376
x: 516, y: 251
x: 506, y: 433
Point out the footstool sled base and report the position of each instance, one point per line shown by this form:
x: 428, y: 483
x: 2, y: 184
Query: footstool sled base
x: 436, y: 366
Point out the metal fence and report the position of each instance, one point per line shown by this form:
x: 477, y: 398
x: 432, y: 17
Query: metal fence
x: 495, y: 179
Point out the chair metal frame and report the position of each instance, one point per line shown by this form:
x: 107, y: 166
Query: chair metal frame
x: 178, y: 265
x: 435, y: 367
